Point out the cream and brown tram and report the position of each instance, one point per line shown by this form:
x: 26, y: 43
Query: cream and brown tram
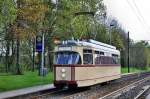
x: 85, y: 63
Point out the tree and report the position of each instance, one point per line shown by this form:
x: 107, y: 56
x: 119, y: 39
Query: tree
x: 7, y: 17
x: 139, y: 54
x: 78, y: 18
x: 30, y: 15
x: 117, y: 40
x: 62, y: 21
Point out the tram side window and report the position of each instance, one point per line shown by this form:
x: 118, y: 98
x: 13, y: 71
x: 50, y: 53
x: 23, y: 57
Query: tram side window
x: 87, y: 57
x: 115, y: 59
x: 101, y: 53
x: 98, y: 57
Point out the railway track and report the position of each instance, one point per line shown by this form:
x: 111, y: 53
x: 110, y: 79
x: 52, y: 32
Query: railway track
x: 104, y: 90
x: 142, y: 93
x: 93, y: 92
x: 56, y: 94
x: 45, y: 95
x: 130, y: 90
x: 36, y: 95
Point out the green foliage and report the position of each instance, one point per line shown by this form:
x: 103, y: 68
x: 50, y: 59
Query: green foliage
x: 7, y: 12
x: 65, y: 19
x: 7, y: 16
x: 102, y: 34
x: 81, y: 25
x: 140, y: 54
x: 117, y: 40
x: 30, y: 15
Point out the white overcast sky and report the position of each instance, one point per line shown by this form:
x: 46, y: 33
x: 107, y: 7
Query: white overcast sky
x: 133, y: 15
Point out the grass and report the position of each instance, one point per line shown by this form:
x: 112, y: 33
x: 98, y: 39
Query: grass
x: 125, y: 70
x: 11, y: 82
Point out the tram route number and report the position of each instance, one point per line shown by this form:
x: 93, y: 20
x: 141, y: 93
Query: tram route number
x: 64, y: 48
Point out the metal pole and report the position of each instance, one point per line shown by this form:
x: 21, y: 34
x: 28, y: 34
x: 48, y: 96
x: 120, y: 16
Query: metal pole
x: 128, y: 53
x: 42, y: 61
x: 110, y: 35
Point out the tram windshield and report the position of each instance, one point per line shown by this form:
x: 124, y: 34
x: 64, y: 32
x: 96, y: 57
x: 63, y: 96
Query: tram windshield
x: 67, y: 58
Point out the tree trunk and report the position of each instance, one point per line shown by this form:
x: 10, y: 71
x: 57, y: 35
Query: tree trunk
x: 7, y: 65
x: 12, y: 57
x: 33, y: 57
x: 50, y: 58
x: 18, y: 71
x: 7, y: 49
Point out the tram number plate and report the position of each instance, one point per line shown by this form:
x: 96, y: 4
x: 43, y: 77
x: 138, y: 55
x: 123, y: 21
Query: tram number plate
x: 64, y: 48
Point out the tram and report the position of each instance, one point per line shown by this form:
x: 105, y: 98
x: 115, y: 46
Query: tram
x: 85, y: 63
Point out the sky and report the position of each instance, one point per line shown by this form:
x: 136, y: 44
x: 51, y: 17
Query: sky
x: 133, y: 16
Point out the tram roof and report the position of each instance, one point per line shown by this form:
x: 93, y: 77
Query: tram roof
x: 90, y: 42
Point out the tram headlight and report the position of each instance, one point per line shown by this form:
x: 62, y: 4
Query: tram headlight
x: 63, y: 75
x: 63, y: 70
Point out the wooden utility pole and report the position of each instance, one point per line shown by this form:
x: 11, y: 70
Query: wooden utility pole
x: 128, y: 52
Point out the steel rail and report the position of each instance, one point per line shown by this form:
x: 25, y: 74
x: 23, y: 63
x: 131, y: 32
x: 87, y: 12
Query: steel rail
x: 115, y: 93
x: 46, y: 94
x: 144, y: 90
x: 124, y: 77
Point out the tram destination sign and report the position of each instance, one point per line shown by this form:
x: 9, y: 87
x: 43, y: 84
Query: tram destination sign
x: 39, y: 44
x: 64, y: 48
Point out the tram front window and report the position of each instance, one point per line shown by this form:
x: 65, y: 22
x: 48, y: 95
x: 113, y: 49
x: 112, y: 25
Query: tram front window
x: 67, y: 58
